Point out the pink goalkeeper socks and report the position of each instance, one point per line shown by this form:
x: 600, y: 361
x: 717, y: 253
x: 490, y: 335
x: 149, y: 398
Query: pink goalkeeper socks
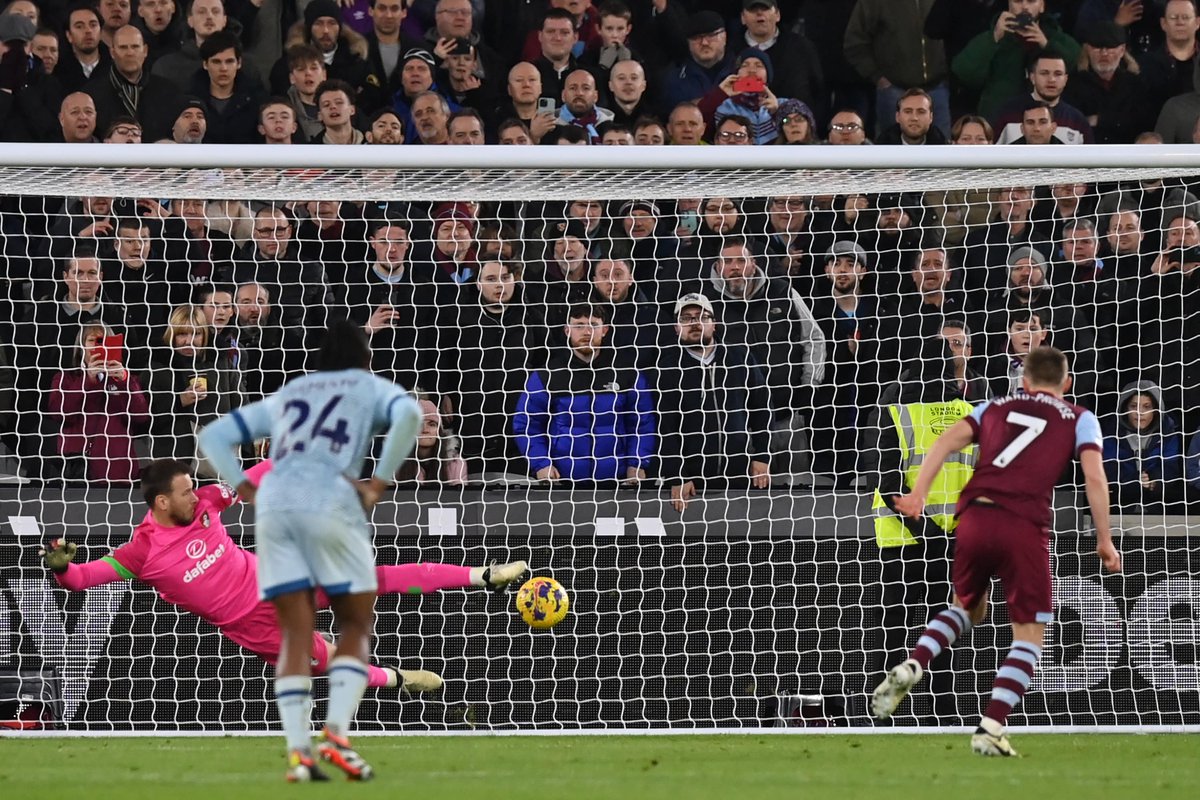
x: 421, y: 578
x: 377, y: 676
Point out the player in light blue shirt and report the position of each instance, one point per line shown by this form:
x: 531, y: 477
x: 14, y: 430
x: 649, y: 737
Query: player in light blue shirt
x: 312, y: 526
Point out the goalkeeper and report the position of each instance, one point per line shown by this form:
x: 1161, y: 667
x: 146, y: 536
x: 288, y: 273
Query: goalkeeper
x: 182, y: 550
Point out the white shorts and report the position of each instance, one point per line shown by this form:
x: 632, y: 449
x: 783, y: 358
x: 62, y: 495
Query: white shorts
x: 306, y: 550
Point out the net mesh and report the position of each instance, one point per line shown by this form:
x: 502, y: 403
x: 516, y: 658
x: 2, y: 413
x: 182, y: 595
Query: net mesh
x: 536, y: 311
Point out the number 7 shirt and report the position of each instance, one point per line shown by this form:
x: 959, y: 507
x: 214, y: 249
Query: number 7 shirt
x: 1025, y: 443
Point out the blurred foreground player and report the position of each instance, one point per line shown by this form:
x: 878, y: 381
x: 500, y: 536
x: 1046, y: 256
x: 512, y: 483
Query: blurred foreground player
x: 312, y: 526
x: 182, y: 551
x: 1025, y: 441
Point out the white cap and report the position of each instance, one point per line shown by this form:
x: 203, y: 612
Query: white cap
x: 693, y: 299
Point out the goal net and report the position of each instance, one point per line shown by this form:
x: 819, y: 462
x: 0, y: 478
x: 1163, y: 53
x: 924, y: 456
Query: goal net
x: 671, y: 378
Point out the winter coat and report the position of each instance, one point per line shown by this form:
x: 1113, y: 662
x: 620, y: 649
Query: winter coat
x: 590, y: 421
x: 1160, y: 455
x: 1178, y: 115
x: 100, y: 419
x: 173, y: 426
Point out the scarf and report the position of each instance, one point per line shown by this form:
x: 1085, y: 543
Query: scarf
x: 128, y: 93
x: 750, y: 100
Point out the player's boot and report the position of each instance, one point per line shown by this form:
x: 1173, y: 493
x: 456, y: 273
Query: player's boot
x: 418, y: 680
x: 302, y: 768
x: 991, y: 739
x: 497, y: 576
x: 336, y: 750
x: 895, y: 687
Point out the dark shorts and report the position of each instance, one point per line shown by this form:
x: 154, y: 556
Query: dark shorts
x: 990, y: 541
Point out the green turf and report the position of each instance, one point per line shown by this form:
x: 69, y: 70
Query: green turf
x: 898, y: 767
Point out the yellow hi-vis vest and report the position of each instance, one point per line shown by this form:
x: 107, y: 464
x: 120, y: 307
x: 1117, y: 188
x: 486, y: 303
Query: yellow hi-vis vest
x: 919, y: 425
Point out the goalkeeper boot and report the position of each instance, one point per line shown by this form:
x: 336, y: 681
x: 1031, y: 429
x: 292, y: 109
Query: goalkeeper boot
x: 336, y: 750
x: 991, y: 739
x: 303, y: 769
x: 895, y: 687
x: 497, y: 576
x: 413, y: 681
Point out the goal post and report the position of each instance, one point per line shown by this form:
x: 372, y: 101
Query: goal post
x: 542, y: 300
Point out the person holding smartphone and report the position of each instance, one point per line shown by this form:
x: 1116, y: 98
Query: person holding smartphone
x: 101, y: 408
x: 746, y: 93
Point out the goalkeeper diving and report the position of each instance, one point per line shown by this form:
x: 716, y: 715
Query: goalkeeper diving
x: 182, y: 550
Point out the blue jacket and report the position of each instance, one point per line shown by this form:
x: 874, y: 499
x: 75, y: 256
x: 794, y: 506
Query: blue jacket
x: 590, y: 421
x: 1161, y: 458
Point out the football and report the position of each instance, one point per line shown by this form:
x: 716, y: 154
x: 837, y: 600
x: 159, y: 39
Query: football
x: 542, y: 602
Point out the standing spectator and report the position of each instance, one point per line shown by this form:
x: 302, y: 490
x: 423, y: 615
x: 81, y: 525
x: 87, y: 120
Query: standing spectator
x: 1169, y: 307
x: 707, y: 64
x: 187, y: 389
x: 138, y: 286
x: 115, y: 14
x: 846, y: 127
x: 128, y: 89
x: 1048, y: 75
x: 1139, y: 19
x: 499, y: 341
x: 686, y: 124
x: 632, y: 315
x: 1177, y: 120
x: 77, y: 118
x: 987, y: 249
x: 1113, y: 97
x: 994, y: 61
x: 455, y: 19
x: 797, y: 64
x: 29, y: 96
x: 160, y: 27
x: 649, y: 253
x: 627, y: 88
x: 435, y: 458
x: 1124, y: 241
x: 557, y: 37
x: 386, y: 42
x: 205, y: 252
x: 431, y: 116
x: 453, y: 253
x: 1143, y: 450
x: 1167, y: 69
x: 971, y: 386
x: 887, y: 45
x: 344, y: 50
x: 335, y: 110
x: 100, y: 407
x: 270, y: 354
x: 87, y: 55
x: 231, y: 96
x: 613, y: 43
x: 758, y: 107
x: 589, y: 416
x: 713, y: 408
x: 914, y: 121
x: 306, y: 72
x: 460, y: 80
x: 204, y: 18
x: 930, y: 301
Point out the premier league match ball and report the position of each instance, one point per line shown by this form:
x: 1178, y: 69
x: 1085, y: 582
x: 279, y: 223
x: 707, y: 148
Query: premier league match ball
x: 543, y: 603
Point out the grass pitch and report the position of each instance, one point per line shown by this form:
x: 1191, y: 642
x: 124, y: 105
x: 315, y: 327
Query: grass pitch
x: 615, y: 767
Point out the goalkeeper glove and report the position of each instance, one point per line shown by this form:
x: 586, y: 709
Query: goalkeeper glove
x: 59, y: 555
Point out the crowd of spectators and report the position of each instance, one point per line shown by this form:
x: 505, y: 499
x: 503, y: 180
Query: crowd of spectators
x: 705, y: 342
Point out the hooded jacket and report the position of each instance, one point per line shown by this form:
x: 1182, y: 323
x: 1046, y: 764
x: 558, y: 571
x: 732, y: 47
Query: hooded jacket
x: 1156, y: 450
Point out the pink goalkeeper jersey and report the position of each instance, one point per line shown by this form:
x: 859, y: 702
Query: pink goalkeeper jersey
x: 198, y: 566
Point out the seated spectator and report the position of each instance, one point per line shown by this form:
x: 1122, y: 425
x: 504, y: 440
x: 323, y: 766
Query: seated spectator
x: 87, y: 54
x: 435, y: 458
x: 431, y: 115
x: 514, y: 131
x: 757, y: 106
x: 204, y: 18
x: 277, y: 122
x: 557, y: 37
x: 269, y: 353
x: 335, y: 110
x: 993, y: 63
x: 649, y: 131
x: 612, y: 134
x: 570, y: 135
x: 231, y: 96
x: 707, y: 64
x: 127, y: 88
x: 846, y: 127
x: 454, y: 254
x: 589, y: 416
x: 792, y: 246
x: 914, y: 121
x: 386, y: 128
x: 627, y: 88
x: 796, y: 123
x: 734, y: 130
x: 1005, y: 369
x: 344, y: 50
x: 720, y: 219
x: 798, y: 69
x: 77, y: 118
x: 713, y: 406
x: 416, y: 76
x: 306, y: 73
x: 114, y: 14
x: 1143, y: 450
x: 100, y: 407
x: 1048, y: 74
x: 191, y: 122
x: 1029, y: 289
x: 961, y: 210
x: 1111, y: 94
x: 579, y: 108
x: 524, y: 90
x: 465, y: 126
x: 187, y: 389
x: 1038, y: 125
x: 499, y: 341
x: 686, y: 124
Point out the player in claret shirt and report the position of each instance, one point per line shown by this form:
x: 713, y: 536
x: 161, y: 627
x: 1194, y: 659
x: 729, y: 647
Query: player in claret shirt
x: 182, y: 550
x: 1025, y: 442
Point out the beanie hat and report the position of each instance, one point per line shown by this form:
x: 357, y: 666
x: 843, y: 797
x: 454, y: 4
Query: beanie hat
x: 454, y: 211
x: 321, y: 8
x: 752, y: 52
